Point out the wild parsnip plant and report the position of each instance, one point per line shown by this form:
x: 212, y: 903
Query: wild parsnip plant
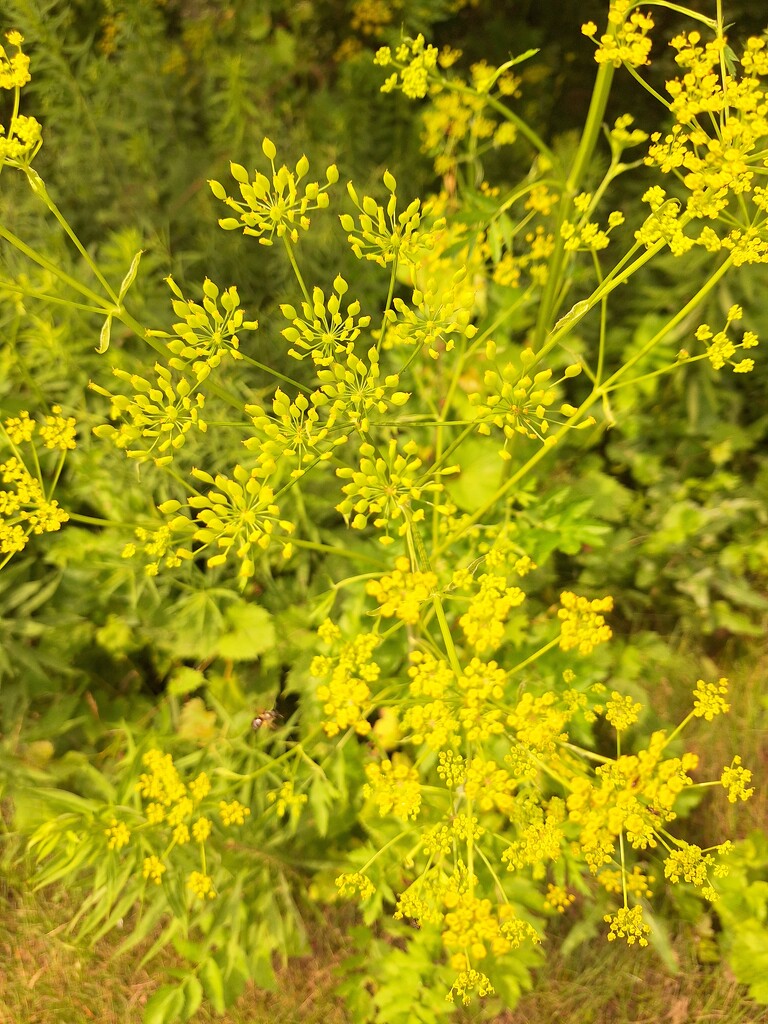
x: 468, y: 724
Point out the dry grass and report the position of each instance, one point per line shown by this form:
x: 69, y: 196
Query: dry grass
x: 46, y: 979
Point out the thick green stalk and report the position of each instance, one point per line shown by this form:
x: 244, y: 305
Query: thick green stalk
x: 571, y: 186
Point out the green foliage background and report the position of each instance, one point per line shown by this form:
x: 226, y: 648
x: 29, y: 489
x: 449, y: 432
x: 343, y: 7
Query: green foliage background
x: 142, y: 102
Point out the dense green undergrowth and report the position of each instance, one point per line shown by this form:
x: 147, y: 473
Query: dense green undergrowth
x: 348, y: 552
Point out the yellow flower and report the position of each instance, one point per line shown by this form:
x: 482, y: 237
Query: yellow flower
x: 153, y: 869
x: 627, y: 923
x: 395, y: 787
x: 736, y: 779
x: 233, y: 813
x: 201, y: 885
x: 622, y: 712
x: 582, y: 624
x: 710, y: 699
x: 201, y: 829
x: 276, y: 205
x: 118, y: 834
x: 351, y: 882
x: 558, y: 899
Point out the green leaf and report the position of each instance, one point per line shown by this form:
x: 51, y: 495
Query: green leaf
x: 213, y: 984
x: 185, y: 680
x: 480, y: 476
x: 164, y: 1006
x: 104, y: 335
x: 162, y: 940
x: 251, y: 634
x: 193, y: 996
x: 130, y: 277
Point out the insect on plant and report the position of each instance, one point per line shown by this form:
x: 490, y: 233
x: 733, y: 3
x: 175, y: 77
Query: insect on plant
x: 265, y: 719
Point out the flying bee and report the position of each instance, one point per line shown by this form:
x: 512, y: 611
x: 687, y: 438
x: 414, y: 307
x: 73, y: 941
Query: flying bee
x: 265, y: 719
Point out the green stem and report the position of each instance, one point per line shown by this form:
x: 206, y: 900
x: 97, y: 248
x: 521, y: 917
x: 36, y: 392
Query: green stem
x: 297, y: 272
x: 46, y: 264
x: 535, y: 656
x: 450, y: 648
x: 589, y: 137
x: 35, y: 294
x: 275, y: 373
x: 689, y: 717
x: 595, y: 395
x: 311, y: 545
x: 37, y: 185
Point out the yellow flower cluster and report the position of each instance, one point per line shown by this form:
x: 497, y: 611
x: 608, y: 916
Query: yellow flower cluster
x: 173, y: 816
x: 384, y: 488
x: 157, y: 416
x: 484, y: 620
x: 205, y: 333
x: 383, y: 235
x: 626, y: 41
x: 370, y: 16
x: 233, y: 812
x: 56, y: 431
x: 413, y: 60
x: 154, y: 869
x: 324, y: 333
x: 716, y: 148
x: 488, y: 786
x: 159, y: 547
x: 468, y: 982
x: 14, y: 69
x: 118, y: 835
x: 582, y: 623
x: 435, y: 315
x: 622, y: 712
x: 692, y: 864
x: 395, y: 787
x: 710, y: 699
x: 627, y: 923
x: 637, y: 883
x: 481, y: 685
x: 517, y: 403
x: 357, y: 390
x: 298, y: 431
x: 20, y: 143
x: 201, y: 885
x: 277, y: 205
x: 353, y: 882
x: 635, y: 794
x: 587, y: 235
x: 558, y: 898
x: 237, y: 516
x: 346, y: 697
x: 736, y: 779
x: 539, y: 723
x: 24, y: 509
x: 286, y: 800
x: 721, y: 348
x: 540, y: 835
x: 402, y: 593
x: 533, y: 261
